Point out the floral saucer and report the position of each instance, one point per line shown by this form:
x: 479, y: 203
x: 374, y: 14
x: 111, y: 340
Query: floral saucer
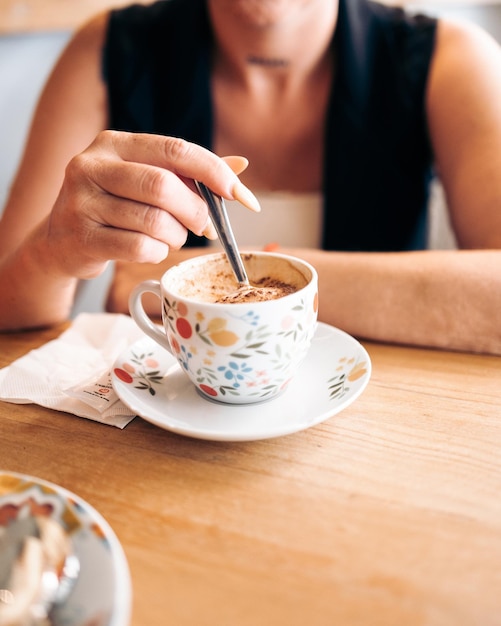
x: 102, y: 594
x: 151, y: 383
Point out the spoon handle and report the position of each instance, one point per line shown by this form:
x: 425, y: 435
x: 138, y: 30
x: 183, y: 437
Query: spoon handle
x: 219, y: 216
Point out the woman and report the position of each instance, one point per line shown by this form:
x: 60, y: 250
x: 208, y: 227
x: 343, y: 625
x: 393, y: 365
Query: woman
x: 350, y: 102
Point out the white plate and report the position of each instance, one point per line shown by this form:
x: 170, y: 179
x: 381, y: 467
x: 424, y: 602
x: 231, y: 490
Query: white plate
x: 102, y: 593
x: 150, y: 382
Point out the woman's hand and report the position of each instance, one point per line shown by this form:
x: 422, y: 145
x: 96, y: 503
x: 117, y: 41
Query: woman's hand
x: 131, y: 197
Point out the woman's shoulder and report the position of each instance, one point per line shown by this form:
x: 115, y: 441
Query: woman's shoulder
x: 466, y: 56
x: 465, y: 36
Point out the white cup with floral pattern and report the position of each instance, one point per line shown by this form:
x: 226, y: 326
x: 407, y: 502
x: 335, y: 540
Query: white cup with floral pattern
x: 233, y: 352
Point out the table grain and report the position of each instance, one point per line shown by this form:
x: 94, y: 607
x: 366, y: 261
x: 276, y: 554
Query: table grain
x: 387, y: 514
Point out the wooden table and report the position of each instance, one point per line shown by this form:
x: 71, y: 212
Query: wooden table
x: 388, y: 514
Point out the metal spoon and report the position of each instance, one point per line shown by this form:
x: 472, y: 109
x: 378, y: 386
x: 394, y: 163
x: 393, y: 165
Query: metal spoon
x: 37, y: 570
x: 219, y: 216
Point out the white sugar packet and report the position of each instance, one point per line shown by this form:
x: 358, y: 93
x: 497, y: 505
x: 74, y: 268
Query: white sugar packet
x: 72, y: 373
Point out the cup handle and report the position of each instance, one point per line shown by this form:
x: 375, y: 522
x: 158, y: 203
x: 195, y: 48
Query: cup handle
x: 140, y: 316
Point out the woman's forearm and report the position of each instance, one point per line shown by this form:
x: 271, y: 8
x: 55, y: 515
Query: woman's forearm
x: 443, y: 299
x: 34, y: 293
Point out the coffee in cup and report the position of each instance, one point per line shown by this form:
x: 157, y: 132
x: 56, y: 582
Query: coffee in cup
x: 237, y: 345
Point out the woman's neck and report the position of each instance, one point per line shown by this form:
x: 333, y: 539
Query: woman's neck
x: 278, y: 41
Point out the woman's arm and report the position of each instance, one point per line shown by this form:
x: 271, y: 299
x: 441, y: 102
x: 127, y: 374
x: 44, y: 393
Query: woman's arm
x: 464, y: 117
x: 69, y: 114
x: 122, y: 197
x: 443, y: 299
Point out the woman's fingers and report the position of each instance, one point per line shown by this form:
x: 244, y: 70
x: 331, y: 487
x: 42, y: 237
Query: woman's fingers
x: 129, y: 245
x: 132, y: 197
x: 145, y: 220
x: 147, y: 185
x: 186, y: 160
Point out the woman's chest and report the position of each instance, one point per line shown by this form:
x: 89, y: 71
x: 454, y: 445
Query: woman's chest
x: 282, y: 138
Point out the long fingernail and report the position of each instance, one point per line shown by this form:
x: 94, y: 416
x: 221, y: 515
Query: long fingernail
x: 245, y: 196
x: 237, y: 163
x: 209, y: 230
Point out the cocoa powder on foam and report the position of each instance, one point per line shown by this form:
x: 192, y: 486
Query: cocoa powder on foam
x: 266, y: 288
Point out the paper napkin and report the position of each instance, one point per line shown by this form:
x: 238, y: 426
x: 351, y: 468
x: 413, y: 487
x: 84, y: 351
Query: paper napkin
x: 72, y: 373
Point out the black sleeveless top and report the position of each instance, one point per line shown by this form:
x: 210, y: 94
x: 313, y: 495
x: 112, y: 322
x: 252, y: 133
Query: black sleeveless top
x: 377, y: 163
